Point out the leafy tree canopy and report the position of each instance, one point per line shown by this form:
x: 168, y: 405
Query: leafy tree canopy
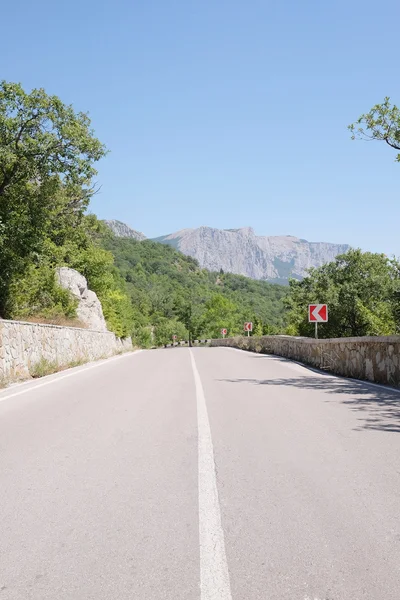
x: 362, y: 291
x: 47, y: 158
x: 169, y: 291
x: 382, y: 122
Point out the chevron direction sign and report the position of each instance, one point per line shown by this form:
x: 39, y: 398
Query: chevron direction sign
x: 318, y: 313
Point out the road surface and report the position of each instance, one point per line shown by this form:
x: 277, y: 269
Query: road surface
x: 204, y: 474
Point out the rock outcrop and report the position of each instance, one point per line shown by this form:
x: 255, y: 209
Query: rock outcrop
x: 89, y: 310
x: 121, y: 230
x: 241, y: 251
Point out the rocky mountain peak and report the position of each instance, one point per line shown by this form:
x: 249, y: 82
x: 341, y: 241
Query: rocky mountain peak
x: 122, y: 230
x: 241, y: 251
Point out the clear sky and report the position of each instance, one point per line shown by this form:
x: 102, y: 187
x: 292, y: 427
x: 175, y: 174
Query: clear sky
x: 225, y: 114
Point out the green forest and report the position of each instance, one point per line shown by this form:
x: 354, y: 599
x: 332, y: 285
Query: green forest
x: 48, y: 156
x: 172, y: 295
x: 362, y: 291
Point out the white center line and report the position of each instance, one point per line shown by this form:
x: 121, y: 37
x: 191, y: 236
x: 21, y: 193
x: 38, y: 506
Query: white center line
x: 214, y: 574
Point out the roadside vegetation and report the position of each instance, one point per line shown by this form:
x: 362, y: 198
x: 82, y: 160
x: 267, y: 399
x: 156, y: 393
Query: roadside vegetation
x: 48, y: 156
x: 172, y: 295
x: 362, y: 291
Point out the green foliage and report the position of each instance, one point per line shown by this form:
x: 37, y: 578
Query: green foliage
x: 142, y: 337
x: 171, y: 294
x: 43, y: 367
x: 221, y: 312
x: 166, y: 328
x: 36, y: 293
x: 46, y: 367
x: 117, y: 309
x: 362, y: 291
x: 258, y: 329
x: 47, y: 164
x: 47, y: 156
x: 382, y: 122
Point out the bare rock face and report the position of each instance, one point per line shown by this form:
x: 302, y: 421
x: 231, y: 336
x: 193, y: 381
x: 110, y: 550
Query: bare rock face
x: 89, y: 309
x: 241, y: 251
x: 119, y: 229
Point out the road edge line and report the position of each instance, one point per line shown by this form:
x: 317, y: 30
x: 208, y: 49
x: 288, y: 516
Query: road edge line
x: 372, y: 384
x: 63, y: 375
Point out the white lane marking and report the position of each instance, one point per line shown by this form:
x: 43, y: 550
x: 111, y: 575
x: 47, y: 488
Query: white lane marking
x: 55, y: 378
x: 214, y: 574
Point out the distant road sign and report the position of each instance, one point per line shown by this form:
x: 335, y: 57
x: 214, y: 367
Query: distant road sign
x: 224, y: 331
x: 248, y: 326
x: 318, y: 313
x: 174, y: 337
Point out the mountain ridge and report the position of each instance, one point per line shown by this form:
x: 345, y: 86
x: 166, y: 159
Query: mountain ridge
x: 242, y: 252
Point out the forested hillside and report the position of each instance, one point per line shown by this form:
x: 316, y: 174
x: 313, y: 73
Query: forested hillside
x: 362, y: 291
x: 48, y: 154
x: 171, y: 295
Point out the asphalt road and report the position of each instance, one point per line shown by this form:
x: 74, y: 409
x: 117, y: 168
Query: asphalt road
x: 209, y: 474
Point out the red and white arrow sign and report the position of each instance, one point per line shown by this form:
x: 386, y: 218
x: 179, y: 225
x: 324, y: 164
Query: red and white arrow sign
x: 248, y: 326
x: 224, y: 331
x: 318, y: 313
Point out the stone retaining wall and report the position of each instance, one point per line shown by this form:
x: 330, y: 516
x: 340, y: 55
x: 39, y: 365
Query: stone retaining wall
x: 371, y: 358
x: 22, y: 345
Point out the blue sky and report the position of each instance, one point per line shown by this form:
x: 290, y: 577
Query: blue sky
x: 225, y: 114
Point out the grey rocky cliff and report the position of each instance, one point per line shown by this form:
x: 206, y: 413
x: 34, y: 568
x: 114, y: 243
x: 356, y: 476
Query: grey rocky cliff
x: 122, y: 230
x: 241, y: 251
x: 89, y: 310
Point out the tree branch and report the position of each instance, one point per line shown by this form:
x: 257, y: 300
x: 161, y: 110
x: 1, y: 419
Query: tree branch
x: 391, y: 144
x: 8, y: 178
x: 22, y: 129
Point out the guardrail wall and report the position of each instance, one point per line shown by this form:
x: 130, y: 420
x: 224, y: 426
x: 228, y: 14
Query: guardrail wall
x: 22, y: 345
x: 371, y: 358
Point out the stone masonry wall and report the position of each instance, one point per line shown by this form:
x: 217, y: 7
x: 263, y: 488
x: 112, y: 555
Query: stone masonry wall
x: 371, y: 358
x: 22, y: 345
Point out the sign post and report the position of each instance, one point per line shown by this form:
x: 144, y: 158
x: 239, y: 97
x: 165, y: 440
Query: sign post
x: 248, y: 327
x: 224, y: 332
x: 317, y: 313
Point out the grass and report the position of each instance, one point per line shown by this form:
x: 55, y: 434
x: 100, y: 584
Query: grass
x: 43, y: 367
x: 46, y: 367
x: 59, y: 320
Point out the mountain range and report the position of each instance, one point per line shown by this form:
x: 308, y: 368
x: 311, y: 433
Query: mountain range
x: 241, y: 251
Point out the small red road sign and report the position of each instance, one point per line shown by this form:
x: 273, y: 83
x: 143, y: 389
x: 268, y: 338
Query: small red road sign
x: 318, y: 313
x: 224, y: 331
x: 248, y: 326
x: 174, y: 337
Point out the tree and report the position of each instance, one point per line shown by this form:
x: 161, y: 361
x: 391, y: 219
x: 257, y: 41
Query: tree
x: 362, y: 293
x: 189, y: 308
x: 47, y: 157
x: 166, y: 328
x: 258, y: 328
x: 220, y: 312
x: 382, y: 122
